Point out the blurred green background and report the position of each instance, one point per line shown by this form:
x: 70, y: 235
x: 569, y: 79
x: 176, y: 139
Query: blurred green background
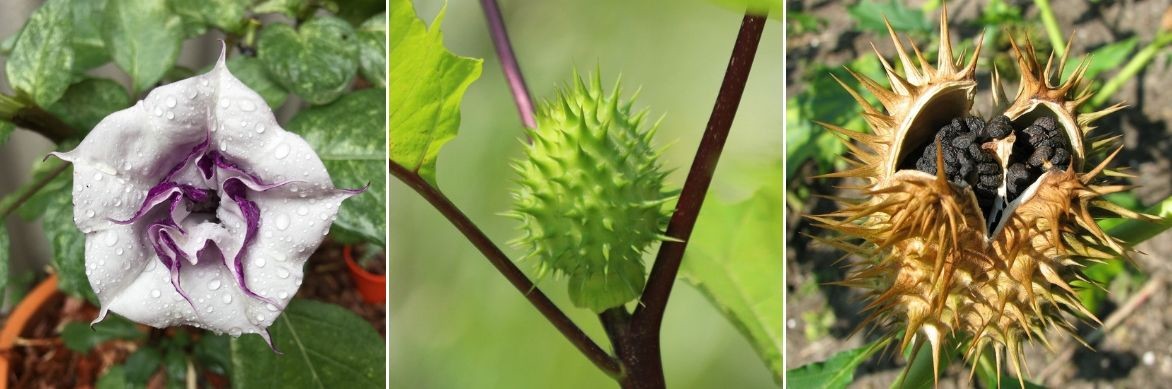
x: 455, y: 321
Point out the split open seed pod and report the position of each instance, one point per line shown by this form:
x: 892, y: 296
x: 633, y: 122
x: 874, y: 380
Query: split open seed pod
x: 974, y: 227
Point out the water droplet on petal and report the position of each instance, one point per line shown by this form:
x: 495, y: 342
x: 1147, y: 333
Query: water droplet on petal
x: 224, y: 103
x: 302, y: 211
x: 282, y: 151
x: 247, y: 106
x: 260, y: 262
x: 210, y: 309
x: 260, y: 318
x: 170, y: 115
x: 235, y: 332
x: 158, y: 111
x: 260, y: 128
x: 98, y: 176
x: 119, y: 251
x: 126, y: 165
x: 282, y: 222
x: 215, y: 284
x: 270, y: 307
x: 111, y: 239
x: 170, y: 101
x: 283, y: 295
x: 282, y: 273
x: 155, y: 293
x: 227, y: 299
x: 89, y: 213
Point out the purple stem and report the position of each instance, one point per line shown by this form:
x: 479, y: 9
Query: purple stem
x: 504, y: 51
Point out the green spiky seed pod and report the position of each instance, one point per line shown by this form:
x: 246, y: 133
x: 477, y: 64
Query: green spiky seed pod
x: 591, y: 198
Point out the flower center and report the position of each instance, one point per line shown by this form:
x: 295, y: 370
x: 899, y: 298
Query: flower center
x: 206, y: 206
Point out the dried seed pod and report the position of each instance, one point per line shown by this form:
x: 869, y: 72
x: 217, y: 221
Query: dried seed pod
x: 974, y: 228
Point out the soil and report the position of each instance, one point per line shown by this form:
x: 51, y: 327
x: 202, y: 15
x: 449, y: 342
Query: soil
x: 1137, y: 353
x: 41, y: 360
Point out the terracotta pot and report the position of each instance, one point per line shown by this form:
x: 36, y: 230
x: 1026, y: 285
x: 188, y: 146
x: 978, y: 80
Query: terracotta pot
x: 32, y: 307
x: 372, y: 287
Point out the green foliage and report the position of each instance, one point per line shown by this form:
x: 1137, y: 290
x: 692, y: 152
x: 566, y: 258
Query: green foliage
x: 143, y: 37
x: 770, y: 8
x: 732, y: 259
x: 87, y: 102
x: 801, y: 23
x: 309, y: 334
x: 317, y: 61
x: 824, y: 100
x: 89, y: 50
x: 6, y: 129
x: 836, y: 372
x: 140, y: 365
x: 252, y: 72
x: 115, y: 378
x: 372, y: 50
x: 1106, y: 58
x: 425, y: 98
x: 40, y: 54
x: 870, y: 15
x: 348, y: 135
x: 82, y: 337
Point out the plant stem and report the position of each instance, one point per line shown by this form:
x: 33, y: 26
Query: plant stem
x: 683, y: 220
x: 504, y: 51
x: 1051, y: 24
x: 507, y: 268
x: 1133, y: 67
x: 27, y: 192
x: 34, y: 119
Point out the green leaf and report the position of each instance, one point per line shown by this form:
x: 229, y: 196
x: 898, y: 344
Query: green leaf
x: 175, y: 365
x: 42, y: 59
x: 429, y: 83
x: 115, y: 378
x: 1105, y: 58
x: 143, y: 363
x: 770, y: 8
x: 317, y: 62
x: 355, y: 11
x: 89, y: 51
x: 836, y: 372
x: 290, y: 8
x: 190, y: 17
x: 143, y: 37
x: 88, y: 102
x: 81, y: 338
x: 740, y: 272
x: 227, y: 15
x: 372, y: 50
x: 869, y: 14
x: 311, y: 335
x: 6, y: 129
x: 348, y: 135
x: 211, y: 352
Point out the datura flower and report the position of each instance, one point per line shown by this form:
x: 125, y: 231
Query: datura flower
x: 975, y: 228
x: 198, y: 209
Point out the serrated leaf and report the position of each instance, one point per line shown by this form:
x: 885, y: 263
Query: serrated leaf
x: 429, y: 84
x: 144, y: 39
x: 89, y: 51
x: 42, y: 57
x: 834, y: 373
x: 80, y: 337
x: 740, y: 272
x: 348, y: 135
x: 372, y: 50
x: 309, y: 334
x: 318, y: 61
x: 86, y: 103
